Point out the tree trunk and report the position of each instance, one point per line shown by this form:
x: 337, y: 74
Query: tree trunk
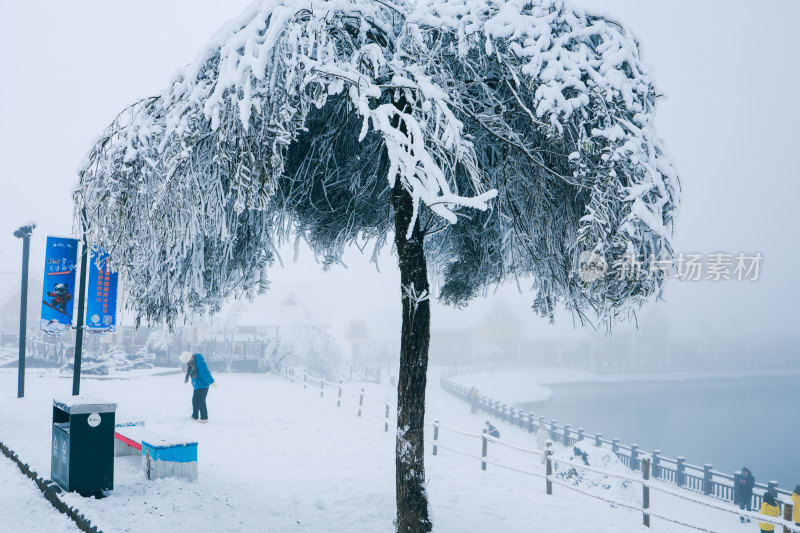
x: 412, y: 500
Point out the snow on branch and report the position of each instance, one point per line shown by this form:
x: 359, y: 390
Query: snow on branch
x: 561, y: 110
x: 526, y: 126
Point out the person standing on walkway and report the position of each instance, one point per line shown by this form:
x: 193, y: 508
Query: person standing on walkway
x: 197, y: 370
x: 770, y: 508
x: 744, y: 491
x: 473, y: 400
x: 796, y: 504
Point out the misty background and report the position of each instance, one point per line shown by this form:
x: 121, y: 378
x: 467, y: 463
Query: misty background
x: 728, y: 74
x: 727, y: 71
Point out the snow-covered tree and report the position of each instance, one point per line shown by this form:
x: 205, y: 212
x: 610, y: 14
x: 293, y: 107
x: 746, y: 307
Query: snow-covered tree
x: 312, y: 347
x: 493, y: 139
x: 159, y: 339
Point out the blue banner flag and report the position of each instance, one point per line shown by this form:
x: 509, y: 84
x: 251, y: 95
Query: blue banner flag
x: 101, y: 311
x: 58, y: 294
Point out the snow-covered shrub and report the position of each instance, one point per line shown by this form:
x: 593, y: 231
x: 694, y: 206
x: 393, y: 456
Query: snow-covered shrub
x: 607, y: 486
x: 159, y: 339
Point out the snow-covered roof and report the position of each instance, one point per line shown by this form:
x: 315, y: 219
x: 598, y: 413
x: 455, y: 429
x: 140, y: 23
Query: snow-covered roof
x: 282, y: 306
x: 10, y: 282
x: 10, y: 297
x: 500, y: 312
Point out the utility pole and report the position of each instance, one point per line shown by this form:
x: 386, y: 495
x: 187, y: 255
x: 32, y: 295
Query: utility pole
x: 23, y: 233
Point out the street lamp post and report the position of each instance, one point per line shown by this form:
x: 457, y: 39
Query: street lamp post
x: 76, y: 367
x: 23, y: 233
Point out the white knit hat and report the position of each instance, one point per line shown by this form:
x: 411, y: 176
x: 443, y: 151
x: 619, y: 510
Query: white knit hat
x: 185, y: 357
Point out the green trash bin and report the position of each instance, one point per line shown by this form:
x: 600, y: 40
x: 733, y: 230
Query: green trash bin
x: 82, y: 458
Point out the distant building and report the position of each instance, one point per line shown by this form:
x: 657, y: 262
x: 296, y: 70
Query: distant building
x: 10, y: 300
x: 491, y: 330
x: 374, y: 337
x: 498, y: 331
x: 242, y: 329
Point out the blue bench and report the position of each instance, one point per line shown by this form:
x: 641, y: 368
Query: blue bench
x: 161, y: 456
x: 169, y: 457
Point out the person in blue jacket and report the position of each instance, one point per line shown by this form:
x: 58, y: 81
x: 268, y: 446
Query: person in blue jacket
x: 197, y: 369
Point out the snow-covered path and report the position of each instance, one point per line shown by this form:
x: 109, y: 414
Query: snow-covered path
x: 22, y: 506
x: 276, y: 458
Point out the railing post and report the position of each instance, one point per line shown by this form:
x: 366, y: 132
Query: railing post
x: 645, y: 491
x: 541, y: 424
x: 634, y: 456
x: 566, y: 435
x: 553, y: 429
x: 548, y: 456
x: 530, y: 422
x: 580, y: 434
x: 504, y: 412
x: 435, y: 437
x: 708, y: 486
x: 680, y: 468
x: 484, y: 448
x: 512, y: 413
x: 656, y: 460
x: 386, y: 418
x: 598, y: 439
x: 615, y: 445
x: 787, y: 515
x: 772, y: 487
x: 339, y: 398
x: 321, y: 388
x: 360, y: 401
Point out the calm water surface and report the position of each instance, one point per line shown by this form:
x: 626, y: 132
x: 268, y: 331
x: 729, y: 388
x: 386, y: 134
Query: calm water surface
x: 730, y: 423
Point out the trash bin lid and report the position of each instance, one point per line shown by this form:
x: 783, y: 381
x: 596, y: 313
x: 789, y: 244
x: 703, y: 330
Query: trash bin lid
x: 83, y: 404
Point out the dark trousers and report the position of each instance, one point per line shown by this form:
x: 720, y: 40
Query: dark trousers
x: 745, y: 500
x: 199, y: 404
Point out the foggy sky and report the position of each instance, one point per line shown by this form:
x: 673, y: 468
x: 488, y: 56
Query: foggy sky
x: 728, y: 71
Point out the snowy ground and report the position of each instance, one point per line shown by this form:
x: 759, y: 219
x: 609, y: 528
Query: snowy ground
x: 276, y: 457
x: 8, y: 354
x: 24, y: 507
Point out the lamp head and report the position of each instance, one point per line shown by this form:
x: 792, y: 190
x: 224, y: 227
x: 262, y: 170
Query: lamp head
x: 24, y: 231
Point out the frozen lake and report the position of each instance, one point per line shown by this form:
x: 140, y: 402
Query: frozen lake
x: 728, y: 422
